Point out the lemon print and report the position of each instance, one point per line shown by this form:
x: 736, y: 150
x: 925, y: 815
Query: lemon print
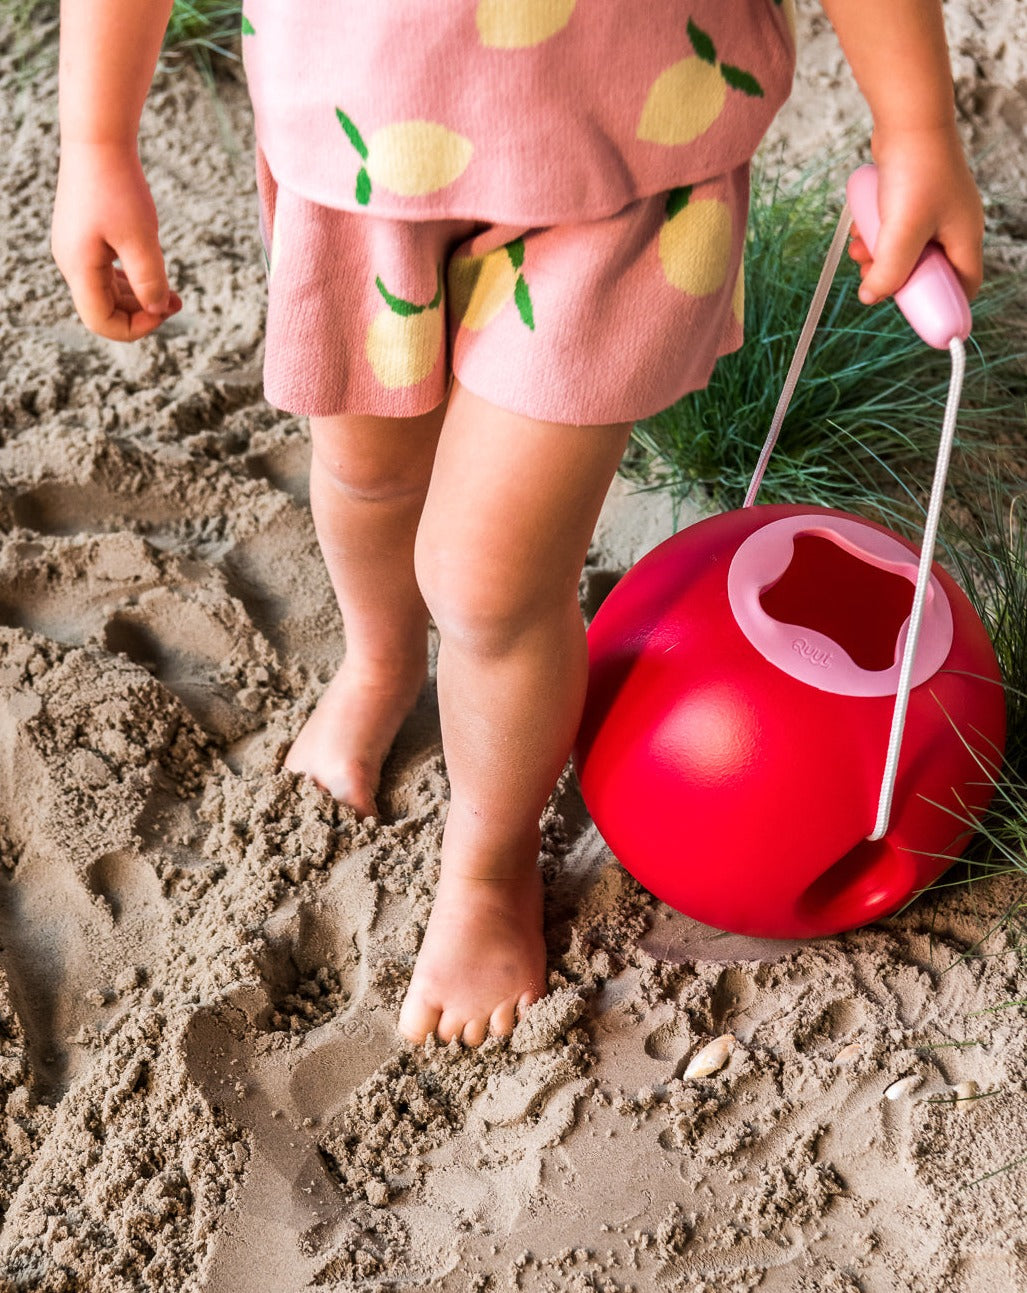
x: 404, y: 340
x: 688, y: 97
x: 683, y: 102
x: 515, y: 24
x: 410, y: 158
x: 738, y: 296
x: 482, y: 285
x: 695, y: 243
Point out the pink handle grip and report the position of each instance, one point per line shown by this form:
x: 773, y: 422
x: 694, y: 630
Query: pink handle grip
x: 932, y: 298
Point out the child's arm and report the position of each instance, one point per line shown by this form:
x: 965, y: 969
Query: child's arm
x: 899, y: 57
x: 103, y: 209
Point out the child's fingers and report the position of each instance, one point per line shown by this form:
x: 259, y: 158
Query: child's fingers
x: 886, y: 271
x: 895, y: 253
x: 858, y: 250
x: 964, y: 255
x: 143, y: 264
x: 107, y: 304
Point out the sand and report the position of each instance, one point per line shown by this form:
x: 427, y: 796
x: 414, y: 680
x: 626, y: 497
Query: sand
x: 202, y: 956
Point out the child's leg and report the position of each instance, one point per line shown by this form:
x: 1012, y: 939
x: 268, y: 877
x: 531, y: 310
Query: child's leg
x: 368, y: 479
x: 506, y: 527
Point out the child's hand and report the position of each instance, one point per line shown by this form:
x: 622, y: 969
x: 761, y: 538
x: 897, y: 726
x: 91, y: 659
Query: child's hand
x: 925, y: 192
x: 104, y: 212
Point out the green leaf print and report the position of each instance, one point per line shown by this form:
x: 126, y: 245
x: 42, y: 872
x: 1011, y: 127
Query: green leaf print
x: 396, y: 303
x: 352, y: 133
x: 399, y: 306
x: 515, y: 250
x: 739, y: 80
x: 247, y: 27
x: 436, y: 300
x: 701, y: 43
x: 363, y: 186
x: 677, y: 200
x: 522, y: 297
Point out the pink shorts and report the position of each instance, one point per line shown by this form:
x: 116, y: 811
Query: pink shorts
x: 605, y: 321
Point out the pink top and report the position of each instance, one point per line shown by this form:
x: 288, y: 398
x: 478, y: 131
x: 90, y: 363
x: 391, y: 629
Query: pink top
x: 529, y: 112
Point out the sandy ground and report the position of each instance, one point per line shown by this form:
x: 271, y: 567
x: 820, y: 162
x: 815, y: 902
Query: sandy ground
x: 201, y: 957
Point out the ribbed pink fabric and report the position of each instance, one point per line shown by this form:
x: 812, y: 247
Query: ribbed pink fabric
x: 529, y: 112
x: 592, y: 322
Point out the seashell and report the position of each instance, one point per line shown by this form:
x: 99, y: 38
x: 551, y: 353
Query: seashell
x: 713, y: 1056
x: 903, y: 1086
x: 965, y: 1090
x: 847, y: 1053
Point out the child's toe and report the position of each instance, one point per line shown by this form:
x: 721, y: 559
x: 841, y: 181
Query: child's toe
x: 527, y: 999
x: 475, y: 1032
x: 503, y: 1018
x: 450, y: 1025
x: 417, y: 1019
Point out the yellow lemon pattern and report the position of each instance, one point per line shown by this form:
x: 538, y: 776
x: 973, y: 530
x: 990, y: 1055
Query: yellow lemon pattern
x: 695, y: 243
x: 518, y: 24
x: 404, y: 340
x: 410, y: 158
x: 687, y: 98
x: 738, y: 297
x: 482, y: 285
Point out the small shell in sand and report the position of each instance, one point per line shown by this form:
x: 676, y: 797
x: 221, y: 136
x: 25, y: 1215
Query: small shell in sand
x: 847, y: 1053
x: 968, y: 1090
x: 713, y: 1056
x: 902, y: 1087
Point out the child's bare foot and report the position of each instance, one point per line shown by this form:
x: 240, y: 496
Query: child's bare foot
x: 482, y: 960
x: 343, y: 743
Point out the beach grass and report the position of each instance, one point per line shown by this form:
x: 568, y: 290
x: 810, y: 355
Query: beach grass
x: 205, y: 30
x: 989, y: 552
x: 863, y: 426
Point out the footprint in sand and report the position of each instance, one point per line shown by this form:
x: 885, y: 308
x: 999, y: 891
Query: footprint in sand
x: 281, y: 456
x: 90, y: 746
x: 281, y: 1055
x: 175, y: 619
x: 203, y: 647
x: 95, y: 483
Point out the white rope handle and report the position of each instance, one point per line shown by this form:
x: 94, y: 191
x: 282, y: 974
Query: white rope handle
x: 923, y: 577
x: 816, y: 309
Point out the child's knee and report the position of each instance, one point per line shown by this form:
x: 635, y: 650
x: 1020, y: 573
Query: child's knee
x: 360, y: 476
x: 478, y: 601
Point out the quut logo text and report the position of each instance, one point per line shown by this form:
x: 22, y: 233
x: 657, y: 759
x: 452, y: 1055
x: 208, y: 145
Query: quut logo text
x: 814, y: 654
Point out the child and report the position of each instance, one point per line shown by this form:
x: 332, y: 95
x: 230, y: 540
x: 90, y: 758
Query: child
x: 568, y: 179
